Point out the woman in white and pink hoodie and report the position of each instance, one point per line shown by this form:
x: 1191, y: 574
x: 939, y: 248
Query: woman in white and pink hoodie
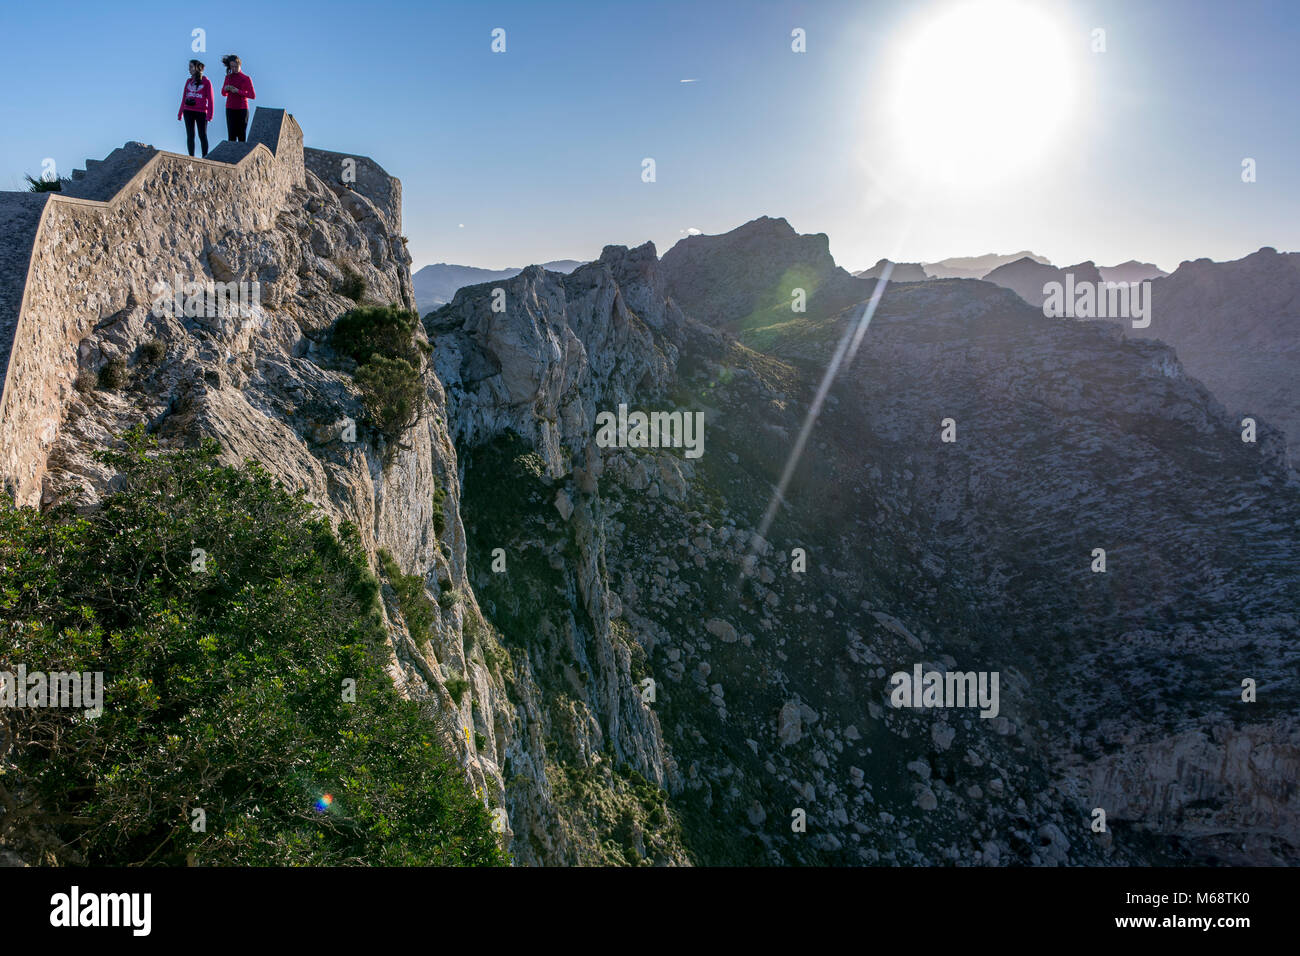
x: 196, y: 106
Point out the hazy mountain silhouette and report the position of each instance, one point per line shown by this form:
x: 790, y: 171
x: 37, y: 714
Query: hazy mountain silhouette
x: 976, y: 267
x: 436, y: 284
x: 1131, y: 271
x: 1026, y: 277
x: 902, y: 272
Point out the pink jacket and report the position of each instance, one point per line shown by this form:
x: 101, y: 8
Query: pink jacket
x: 241, y: 82
x: 201, y: 95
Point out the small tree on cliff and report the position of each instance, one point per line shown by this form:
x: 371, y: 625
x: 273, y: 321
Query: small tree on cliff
x: 381, y: 340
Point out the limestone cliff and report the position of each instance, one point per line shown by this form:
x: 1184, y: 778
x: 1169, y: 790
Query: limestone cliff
x: 264, y: 383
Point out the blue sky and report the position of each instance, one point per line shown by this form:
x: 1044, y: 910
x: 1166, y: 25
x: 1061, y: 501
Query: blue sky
x: 536, y: 153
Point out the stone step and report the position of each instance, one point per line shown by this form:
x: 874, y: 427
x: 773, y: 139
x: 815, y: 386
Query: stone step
x: 102, y: 178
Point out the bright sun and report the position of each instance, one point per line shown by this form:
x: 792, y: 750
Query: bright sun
x: 981, y: 90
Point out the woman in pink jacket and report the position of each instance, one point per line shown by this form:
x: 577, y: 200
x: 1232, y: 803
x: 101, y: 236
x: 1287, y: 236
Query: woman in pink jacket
x: 238, y: 90
x: 196, y: 106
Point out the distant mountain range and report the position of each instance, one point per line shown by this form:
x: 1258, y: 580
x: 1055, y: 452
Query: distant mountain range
x: 436, y: 285
x: 981, y: 267
x: 902, y: 272
x: 976, y: 267
x: 1131, y: 271
x: 1026, y: 277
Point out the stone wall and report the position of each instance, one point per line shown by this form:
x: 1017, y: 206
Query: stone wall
x: 89, y: 260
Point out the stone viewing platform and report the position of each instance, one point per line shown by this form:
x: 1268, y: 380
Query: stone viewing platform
x: 72, y: 258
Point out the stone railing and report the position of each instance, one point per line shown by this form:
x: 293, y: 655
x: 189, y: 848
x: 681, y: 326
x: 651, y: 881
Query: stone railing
x: 69, y: 262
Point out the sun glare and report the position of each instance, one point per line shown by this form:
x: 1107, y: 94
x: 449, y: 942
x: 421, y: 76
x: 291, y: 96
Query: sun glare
x: 981, y: 91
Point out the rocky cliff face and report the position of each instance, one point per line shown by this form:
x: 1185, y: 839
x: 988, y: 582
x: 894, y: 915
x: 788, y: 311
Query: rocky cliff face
x: 267, y: 386
x: 771, y: 664
x: 1131, y: 677
x: 640, y: 665
x: 1236, y: 327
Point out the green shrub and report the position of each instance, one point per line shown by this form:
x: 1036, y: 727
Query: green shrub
x: 381, y: 340
x: 418, y: 609
x: 371, y: 330
x: 456, y: 686
x: 222, y: 684
x: 496, y: 657
x: 480, y: 740
x: 85, y: 382
x: 471, y: 631
x: 439, y: 511
x: 392, y: 393
x: 44, y: 185
x: 153, y: 351
x: 113, y: 375
x: 352, y: 285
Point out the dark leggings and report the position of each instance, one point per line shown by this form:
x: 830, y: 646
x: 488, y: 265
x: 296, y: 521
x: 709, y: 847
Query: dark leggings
x: 237, y: 125
x: 201, y: 121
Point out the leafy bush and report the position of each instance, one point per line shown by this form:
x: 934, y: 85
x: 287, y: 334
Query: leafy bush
x: 153, y: 351
x: 85, y: 382
x: 392, y: 394
x: 439, y: 511
x: 369, y: 331
x: 44, y: 185
x: 352, y: 285
x: 456, y: 686
x: 418, y: 609
x: 471, y: 631
x: 223, y: 679
x: 496, y: 657
x: 381, y: 340
x: 113, y: 375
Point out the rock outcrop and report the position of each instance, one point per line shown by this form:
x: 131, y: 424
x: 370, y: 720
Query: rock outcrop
x: 262, y: 381
x: 82, y: 258
x: 747, y: 276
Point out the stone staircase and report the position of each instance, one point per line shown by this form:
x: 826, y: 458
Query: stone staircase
x: 102, y: 178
